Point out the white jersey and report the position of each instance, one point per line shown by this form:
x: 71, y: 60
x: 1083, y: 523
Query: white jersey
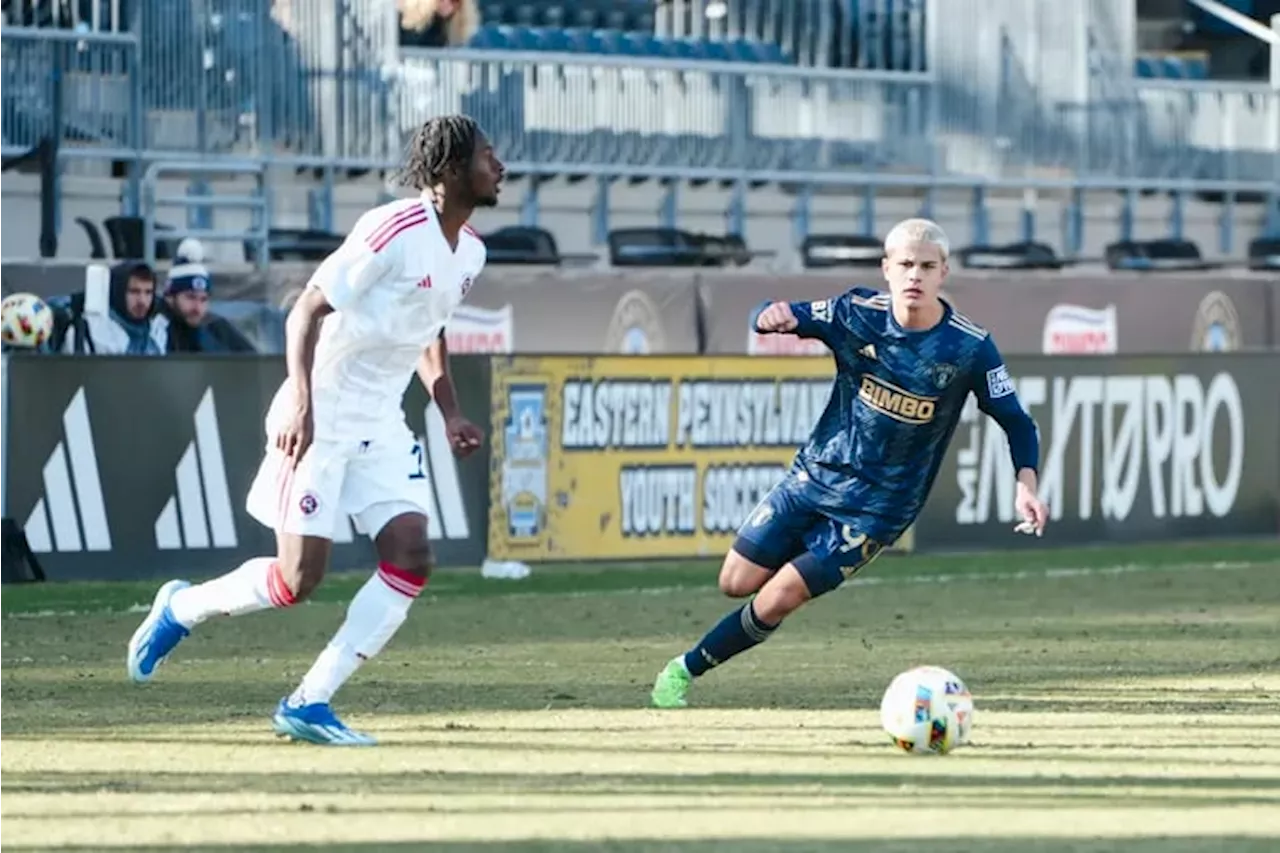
x: 393, y: 283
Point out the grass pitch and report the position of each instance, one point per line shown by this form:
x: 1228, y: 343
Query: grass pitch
x: 1128, y: 699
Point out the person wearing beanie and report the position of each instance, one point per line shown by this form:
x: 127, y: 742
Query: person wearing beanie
x: 192, y: 328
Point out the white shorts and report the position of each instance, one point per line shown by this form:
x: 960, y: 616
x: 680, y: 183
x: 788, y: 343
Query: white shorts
x: 370, y: 481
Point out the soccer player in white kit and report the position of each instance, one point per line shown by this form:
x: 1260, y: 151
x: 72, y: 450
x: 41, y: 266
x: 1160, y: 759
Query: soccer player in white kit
x: 373, y: 314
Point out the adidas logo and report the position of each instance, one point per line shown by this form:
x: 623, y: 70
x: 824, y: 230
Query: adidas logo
x: 433, y: 459
x: 869, y: 351
x: 77, y: 518
x: 199, y: 512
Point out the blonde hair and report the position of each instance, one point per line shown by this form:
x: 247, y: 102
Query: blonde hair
x: 910, y: 231
x: 417, y: 15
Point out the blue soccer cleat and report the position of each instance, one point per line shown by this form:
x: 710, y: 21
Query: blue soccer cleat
x: 316, y: 723
x: 156, y: 636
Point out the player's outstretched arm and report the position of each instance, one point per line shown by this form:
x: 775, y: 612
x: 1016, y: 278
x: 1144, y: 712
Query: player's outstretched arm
x: 999, y: 400
x: 434, y: 373
x: 821, y: 319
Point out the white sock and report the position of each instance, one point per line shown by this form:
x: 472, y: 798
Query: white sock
x: 374, y: 615
x: 256, y: 585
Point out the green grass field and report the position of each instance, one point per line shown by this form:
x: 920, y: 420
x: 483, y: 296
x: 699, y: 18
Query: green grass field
x: 1128, y: 700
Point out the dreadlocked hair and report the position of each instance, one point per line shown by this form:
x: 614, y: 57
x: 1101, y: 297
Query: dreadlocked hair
x: 441, y: 144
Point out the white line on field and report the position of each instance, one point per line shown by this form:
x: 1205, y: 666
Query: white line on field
x: 881, y: 580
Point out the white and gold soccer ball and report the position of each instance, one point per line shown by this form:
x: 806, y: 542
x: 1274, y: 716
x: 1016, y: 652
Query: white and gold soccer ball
x: 25, y: 320
x: 927, y: 710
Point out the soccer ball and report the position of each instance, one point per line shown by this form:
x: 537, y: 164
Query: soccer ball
x: 927, y: 710
x: 25, y: 320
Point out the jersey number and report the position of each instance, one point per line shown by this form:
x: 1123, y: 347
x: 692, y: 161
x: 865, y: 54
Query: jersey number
x: 419, y: 456
x: 851, y: 541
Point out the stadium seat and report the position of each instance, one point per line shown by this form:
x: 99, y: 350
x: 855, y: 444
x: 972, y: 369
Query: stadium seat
x: 552, y: 16
x: 1197, y: 66
x: 587, y: 18
x: 608, y: 42
x: 524, y: 15
x: 1172, y: 68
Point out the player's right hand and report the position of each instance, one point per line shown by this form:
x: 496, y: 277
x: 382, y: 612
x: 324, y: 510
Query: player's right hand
x: 777, y: 318
x: 294, y: 439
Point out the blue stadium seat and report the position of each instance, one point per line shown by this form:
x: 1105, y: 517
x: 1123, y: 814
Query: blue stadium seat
x: 587, y: 18
x: 552, y: 16
x: 525, y: 38
x: 555, y: 40
x: 718, y: 51
x: 1172, y: 67
x: 526, y: 15
x: 489, y: 37
x: 1197, y: 66
x: 608, y: 42
x: 642, y: 44
x: 688, y: 49
x: 1146, y: 68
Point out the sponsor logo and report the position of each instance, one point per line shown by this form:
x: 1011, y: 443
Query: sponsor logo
x: 1075, y: 330
x: 999, y: 384
x: 524, y: 462
x: 1178, y: 441
x: 64, y: 519
x: 198, y: 513
x: 758, y: 344
x: 899, y: 404
x: 480, y: 330
x: 1217, y: 325
x: 636, y: 327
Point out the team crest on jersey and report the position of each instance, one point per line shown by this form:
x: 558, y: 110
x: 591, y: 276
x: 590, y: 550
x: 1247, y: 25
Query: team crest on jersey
x: 944, y: 374
x: 466, y: 285
x: 309, y: 503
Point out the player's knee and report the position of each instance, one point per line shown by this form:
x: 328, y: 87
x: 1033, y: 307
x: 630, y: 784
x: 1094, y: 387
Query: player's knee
x: 415, y: 558
x: 404, y: 544
x: 739, y: 577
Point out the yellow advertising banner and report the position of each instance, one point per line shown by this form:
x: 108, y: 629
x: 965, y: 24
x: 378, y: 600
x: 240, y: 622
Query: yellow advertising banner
x: 623, y: 457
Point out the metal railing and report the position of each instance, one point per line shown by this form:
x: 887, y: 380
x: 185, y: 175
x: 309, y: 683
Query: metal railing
x: 582, y: 113
x: 257, y: 204
x: 1041, y: 95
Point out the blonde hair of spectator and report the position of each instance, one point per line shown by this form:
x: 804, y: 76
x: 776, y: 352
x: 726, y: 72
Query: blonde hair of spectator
x: 914, y: 231
x: 417, y: 15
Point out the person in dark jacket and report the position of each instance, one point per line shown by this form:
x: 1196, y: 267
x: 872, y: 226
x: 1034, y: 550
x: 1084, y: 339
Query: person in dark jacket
x: 192, y: 328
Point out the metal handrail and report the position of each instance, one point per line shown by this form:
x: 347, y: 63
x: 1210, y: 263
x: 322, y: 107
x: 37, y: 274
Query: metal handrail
x: 259, y: 233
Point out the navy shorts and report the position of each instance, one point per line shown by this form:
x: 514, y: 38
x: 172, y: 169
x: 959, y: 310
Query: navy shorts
x: 786, y: 528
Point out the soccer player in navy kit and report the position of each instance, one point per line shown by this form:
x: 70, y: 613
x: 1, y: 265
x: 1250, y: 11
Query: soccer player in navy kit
x: 906, y: 363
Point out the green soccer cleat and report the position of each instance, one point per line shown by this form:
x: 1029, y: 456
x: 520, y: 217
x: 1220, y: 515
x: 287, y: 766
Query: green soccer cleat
x: 671, y: 685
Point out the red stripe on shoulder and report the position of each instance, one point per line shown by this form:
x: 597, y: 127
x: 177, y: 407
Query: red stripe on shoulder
x: 467, y: 227
x: 396, y: 226
x: 392, y: 218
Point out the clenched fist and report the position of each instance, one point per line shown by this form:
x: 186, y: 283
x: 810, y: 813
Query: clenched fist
x: 776, y: 318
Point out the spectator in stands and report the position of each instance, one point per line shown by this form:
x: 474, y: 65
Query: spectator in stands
x: 186, y: 303
x: 132, y: 324
x: 437, y: 23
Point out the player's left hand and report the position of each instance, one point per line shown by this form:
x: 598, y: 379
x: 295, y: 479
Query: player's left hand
x: 464, y: 437
x: 1031, y: 510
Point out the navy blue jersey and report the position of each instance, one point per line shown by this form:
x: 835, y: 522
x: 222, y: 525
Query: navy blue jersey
x: 898, y: 394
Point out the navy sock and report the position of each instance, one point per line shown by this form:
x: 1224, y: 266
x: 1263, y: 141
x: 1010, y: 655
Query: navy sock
x: 732, y: 635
